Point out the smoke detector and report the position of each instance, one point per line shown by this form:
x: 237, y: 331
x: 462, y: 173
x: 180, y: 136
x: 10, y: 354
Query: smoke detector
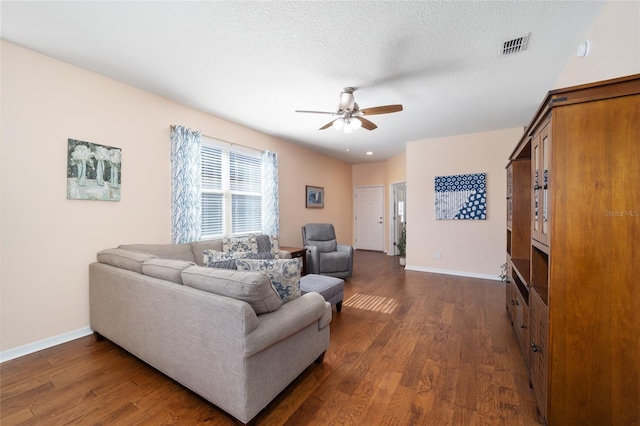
x: 583, y: 49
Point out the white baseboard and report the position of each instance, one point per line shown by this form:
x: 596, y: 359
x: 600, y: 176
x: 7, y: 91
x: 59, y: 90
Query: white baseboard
x: 452, y: 272
x: 44, y: 344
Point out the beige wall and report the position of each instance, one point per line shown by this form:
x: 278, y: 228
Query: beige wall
x: 468, y: 247
x: 48, y: 241
x: 615, y: 47
x: 397, y: 168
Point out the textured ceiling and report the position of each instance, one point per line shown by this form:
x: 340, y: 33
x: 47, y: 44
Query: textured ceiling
x: 255, y: 63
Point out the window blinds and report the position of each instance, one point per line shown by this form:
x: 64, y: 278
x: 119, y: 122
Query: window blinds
x: 231, y: 190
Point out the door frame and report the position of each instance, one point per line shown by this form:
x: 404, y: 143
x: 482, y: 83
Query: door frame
x: 391, y: 250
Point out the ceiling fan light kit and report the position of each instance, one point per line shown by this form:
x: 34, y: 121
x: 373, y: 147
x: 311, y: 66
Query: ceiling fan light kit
x: 350, y: 116
x: 347, y: 125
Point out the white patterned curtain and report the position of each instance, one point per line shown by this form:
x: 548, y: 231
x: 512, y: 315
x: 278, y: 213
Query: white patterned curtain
x: 185, y: 185
x: 270, y: 195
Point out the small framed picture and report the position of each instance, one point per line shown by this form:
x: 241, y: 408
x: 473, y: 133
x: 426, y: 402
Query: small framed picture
x: 314, y: 197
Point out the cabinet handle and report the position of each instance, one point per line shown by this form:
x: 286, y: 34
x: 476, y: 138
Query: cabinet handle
x: 513, y: 303
x: 517, y: 303
x: 523, y: 326
x: 534, y: 347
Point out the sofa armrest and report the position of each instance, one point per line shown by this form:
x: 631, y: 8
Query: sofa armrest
x: 349, y: 250
x: 345, y: 248
x: 286, y: 321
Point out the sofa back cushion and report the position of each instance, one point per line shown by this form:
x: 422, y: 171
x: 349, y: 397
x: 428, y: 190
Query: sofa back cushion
x: 166, y: 269
x: 124, y: 259
x: 198, y: 248
x: 251, y: 287
x: 323, y: 246
x: 163, y: 251
x: 321, y: 235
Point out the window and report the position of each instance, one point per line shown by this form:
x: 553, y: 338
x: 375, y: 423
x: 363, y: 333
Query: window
x: 231, y: 190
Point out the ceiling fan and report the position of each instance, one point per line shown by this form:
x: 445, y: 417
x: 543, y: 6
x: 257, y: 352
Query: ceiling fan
x: 350, y: 116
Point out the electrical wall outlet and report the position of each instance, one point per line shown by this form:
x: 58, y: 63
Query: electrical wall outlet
x: 438, y: 255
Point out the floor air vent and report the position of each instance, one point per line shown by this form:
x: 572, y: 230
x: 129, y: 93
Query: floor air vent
x: 515, y: 45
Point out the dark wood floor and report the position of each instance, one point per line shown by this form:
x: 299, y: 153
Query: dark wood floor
x: 416, y: 349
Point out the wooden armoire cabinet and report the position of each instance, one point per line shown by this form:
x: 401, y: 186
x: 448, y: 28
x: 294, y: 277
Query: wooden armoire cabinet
x: 573, y: 253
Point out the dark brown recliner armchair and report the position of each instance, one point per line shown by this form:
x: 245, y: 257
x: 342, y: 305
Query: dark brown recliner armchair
x: 324, y: 255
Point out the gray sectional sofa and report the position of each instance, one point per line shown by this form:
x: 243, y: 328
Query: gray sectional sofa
x: 220, y: 333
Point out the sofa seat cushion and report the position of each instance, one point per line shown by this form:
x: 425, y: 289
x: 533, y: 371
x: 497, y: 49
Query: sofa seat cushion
x: 124, y: 259
x: 166, y: 269
x: 334, y: 261
x: 251, y: 287
x: 284, y: 274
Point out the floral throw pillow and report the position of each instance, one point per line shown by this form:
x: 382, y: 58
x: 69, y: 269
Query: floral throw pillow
x: 223, y: 260
x: 284, y: 274
x: 240, y: 244
x: 275, y: 246
x: 219, y: 259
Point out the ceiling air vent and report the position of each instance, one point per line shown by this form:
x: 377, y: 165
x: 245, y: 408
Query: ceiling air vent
x: 515, y: 45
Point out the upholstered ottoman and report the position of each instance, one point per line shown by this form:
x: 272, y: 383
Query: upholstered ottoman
x: 331, y: 288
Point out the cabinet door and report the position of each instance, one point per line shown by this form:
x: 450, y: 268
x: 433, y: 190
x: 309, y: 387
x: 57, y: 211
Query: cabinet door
x: 539, y: 335
x: 520, y: 324
x: 545, y: 141
x: 511, y: 300
x: 540, y: 173
x: 508, y: 289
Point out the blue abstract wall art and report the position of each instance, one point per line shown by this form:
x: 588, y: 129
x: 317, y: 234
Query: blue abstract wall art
x: 461, y: 197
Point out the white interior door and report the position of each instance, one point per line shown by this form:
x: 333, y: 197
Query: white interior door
x: 370, y: 218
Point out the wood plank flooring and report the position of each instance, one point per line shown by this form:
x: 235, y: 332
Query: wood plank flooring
x: 445, y: 355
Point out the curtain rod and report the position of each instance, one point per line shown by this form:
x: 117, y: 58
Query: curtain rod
x: 173, y: 126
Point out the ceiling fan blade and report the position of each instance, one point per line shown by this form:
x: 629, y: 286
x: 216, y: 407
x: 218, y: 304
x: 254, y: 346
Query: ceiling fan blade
x: 316, y: 112
x: 381, y: 109
x: 367, y: 124
x: 326, y: 126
